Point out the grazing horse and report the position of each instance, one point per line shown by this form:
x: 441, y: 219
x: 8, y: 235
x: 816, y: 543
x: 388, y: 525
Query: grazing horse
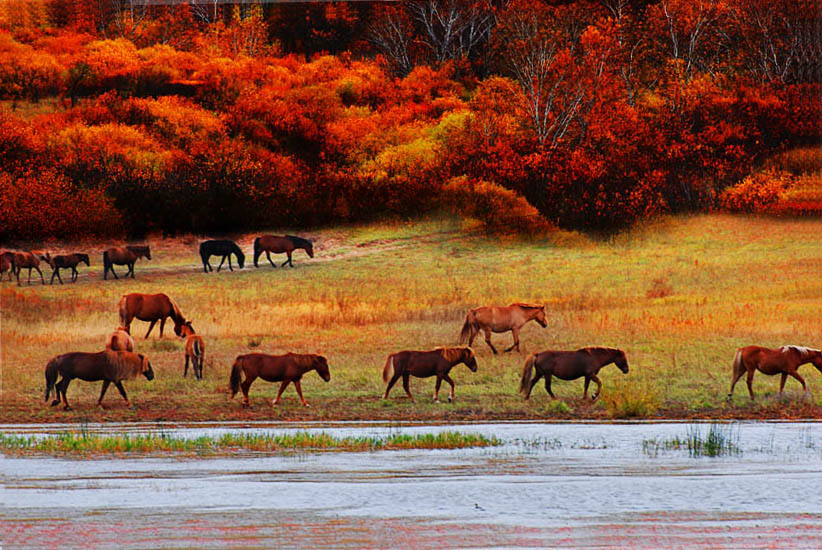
x: 500, y: 319
x: 569, y: 365
x: 120, y: 340
x: 108, y: 366
x: 68, y: 261
x: 7, y: 264
x: 124, y: 256
x: 150, y: 308
x: 275, y: 368
x: 29, y: 260
x: 423, y: 364
x: 195, y: 350
x: 224, y: 248
x: 278, y: 245
x: 785, y: 361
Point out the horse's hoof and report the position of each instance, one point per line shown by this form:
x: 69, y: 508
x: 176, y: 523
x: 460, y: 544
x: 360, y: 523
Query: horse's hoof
x: 306, y: 405
x: 67, y: 408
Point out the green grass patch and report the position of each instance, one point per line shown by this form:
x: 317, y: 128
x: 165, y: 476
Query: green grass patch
x: 719, y: 440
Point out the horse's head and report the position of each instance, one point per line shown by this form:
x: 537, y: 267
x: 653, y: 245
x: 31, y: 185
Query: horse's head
x: 817, y: 360
x: 46, y: 257
x: 185, y: 329
x: 469, y: 359
x: 84, y: 259
x: 321, y: 366
x: 620, y: 361
x: 540, y: 317
x: 145, y: 367
x: 309, y: 249
x: 240, y: 257
x: 178, y: 327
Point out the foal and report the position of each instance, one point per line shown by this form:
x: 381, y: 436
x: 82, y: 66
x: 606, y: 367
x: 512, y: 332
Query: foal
x: 422, y: 364
x: 195, y: 350
x: 120, y: 340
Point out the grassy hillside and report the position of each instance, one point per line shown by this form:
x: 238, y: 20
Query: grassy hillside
x: 679, y: 296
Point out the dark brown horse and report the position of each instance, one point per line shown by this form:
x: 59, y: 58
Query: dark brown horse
x: 120, y: 340
x: 785, y: 361
x: 150, y: 308
x: 279, y: 245
x: 28, y: 260
x: 66, y: 261
x: 195, y: 350
x: 108, y: 366
x: 500, y: 319
x: 6, y: 264
x: 423, y: 364
x: 224, y: 248
x: 126, y: 255
x: 569, y: 365
x: 275, y: 368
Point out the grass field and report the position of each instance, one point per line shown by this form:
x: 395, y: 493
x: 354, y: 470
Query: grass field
x: 679, y: 296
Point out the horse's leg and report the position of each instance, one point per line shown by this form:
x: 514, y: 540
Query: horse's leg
x: 801, y: 380
x: 782, y: 383
x: 515, y: 332
x: 585, y: 391
x: 111, y: 267
x: 229, y: 263
x: 185, y: 370
x: 280, y: 392
x: 288, y: 261
x: 29, y: 280
x: 222, y: 261
x: 151, y: 326
x: 488, y: 340
x: 749, y: 381
x: 533, y: 383
x: 599, y: 387
x: 103, y: 392
x: 736, y: 379
x: 122, y: 390
x: 74, y: 274
x: 437, y: 389
x: 406, y: 378
x: 391, y: 384
x: 42, y: 280
x: 451, y: 395
x: 131, y: 269
x: 162, y: 325
x: 59, y: 278
x: 58, y: 392
x: 268, y: 255
x: 300, y: 393
x: 61, y: 388
x: 245, y: 386
x: 548, y: 386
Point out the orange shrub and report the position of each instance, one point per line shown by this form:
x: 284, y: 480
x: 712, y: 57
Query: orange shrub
x: 757, y: 192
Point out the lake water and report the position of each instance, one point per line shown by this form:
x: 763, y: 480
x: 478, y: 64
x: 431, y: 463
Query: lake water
x: 559, y: 485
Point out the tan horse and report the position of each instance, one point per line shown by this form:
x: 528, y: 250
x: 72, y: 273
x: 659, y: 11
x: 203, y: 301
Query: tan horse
x: 150, y: 308
x: 108, y: 366
x: 195, y: 350
x: 423, y: 364
x: 126, y: 255
x: 28, y: 260
x: 500, y: 319
x: 6, y: 264
x: 785, y: 361
x: 275, y: 368
x: 120, y: 340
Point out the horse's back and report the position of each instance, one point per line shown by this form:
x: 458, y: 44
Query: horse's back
x: 83, y: 365
x: 274, y: 243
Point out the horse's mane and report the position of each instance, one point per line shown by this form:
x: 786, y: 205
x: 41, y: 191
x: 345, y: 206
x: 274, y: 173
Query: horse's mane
x: 453, y: 355
x: 299, y: 241
x: 526, y: 306
x: 125, y: 364
x: 803, y: 351
x: 177, y: 315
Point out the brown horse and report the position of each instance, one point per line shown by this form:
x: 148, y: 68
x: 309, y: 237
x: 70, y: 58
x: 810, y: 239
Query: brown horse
x: 126, y: 255
x: 275, y: 368
x: 67, y: 261
x: 785, y: 361
x: 195, y: 350
x: 29, y: 260
x: 108, y: 366
x: 7, y: 264
x: 150, y: 308
x: 570, y: 365
x: 500, y: 319
x: 423, y: 364
x: 120, y: 340
x: 279, y: 245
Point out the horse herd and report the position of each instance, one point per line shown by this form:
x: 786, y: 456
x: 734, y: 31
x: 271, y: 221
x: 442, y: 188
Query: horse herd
x: 14, y: 262
x: 119, y: 362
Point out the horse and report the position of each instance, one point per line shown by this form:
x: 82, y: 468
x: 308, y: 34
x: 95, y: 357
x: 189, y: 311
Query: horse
x: 120, y: 340
x: 124, y: 256
x: 423, y: 364
x: 500, y: 319
x: 67, y: 261
x: 7, y: 263
x: 224, y: 248
x: 29, y: 260
x: 278, y: 245
x: 785, y: 361
x: 108, y: 366
x: 570, y: 365
x: 275, y: 368
x: 151, y: 308
x: 195, y: 350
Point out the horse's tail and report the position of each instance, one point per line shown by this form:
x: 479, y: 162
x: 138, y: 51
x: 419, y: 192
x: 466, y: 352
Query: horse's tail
x: 257, y: 251
x: 122, y: 308
x: 51, y: 376
x: 737, y: 365
x: 234, y: 380
x: 106, y: 263
x: 527, y: 374
x: 468, y: 327
x: 388, y: 369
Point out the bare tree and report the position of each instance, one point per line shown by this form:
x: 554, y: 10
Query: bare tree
x: 772, y: 38
x: 128, y: 16
x: 391, y: 32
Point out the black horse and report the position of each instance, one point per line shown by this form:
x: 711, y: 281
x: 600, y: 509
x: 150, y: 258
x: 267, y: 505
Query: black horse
x: 224, y: 248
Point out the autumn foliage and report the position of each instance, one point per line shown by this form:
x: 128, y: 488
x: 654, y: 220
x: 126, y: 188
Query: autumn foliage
x: 524, y: 115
